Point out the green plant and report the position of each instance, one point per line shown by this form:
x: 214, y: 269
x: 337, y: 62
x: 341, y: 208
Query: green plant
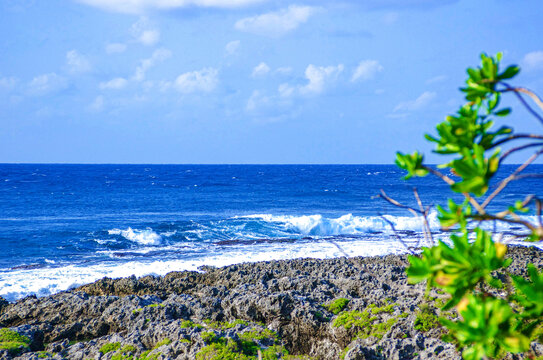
x: 109, y: 347
x: 147, y: 355
x: 426, y: 319
x: 13, y: 342
x: 125, y: 353
x: 164, y: 341
x: 190, y: 324
x: 489, y: 325
x: 350, y: 319
x: 366, y: 323
x: 381, y: 309
x: 222, y: 351
x: 337, y: 306
x: 227, y: 349
x: 220, y: 325
x: 129, y: 349
x: 258, y: 334
x: 209, y: 337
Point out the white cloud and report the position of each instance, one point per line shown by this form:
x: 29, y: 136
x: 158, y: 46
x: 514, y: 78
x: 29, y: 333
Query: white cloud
x: 115, y: 84
x: 318, y: 76
x: 533, y: 60
x: 204, y: 80
x: 47, y: 83
x: 141, y: 6
x: 232, y: 47
x: 260, y: 70
x: 98, y: 104
x: 149, y: 37
x: 285, y: 90
x: 76, y: 62
x: 269, y: 108
x: 277, y: 23
x: 8, y: 83
x: 144, y: 33
x: 437, y: 79
x: 115, y: 48
x: 159, y: 55
x: 424, y: 99
x: 366, y: 70
x: 256, y: 101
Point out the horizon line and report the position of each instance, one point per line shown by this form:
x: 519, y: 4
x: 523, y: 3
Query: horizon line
x: 215, y: 164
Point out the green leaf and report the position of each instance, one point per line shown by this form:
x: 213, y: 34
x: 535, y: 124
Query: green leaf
x: 509, y: 73
x: 412, y: 163
x: 503, y: 112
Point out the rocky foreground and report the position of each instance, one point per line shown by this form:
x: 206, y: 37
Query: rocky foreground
x: 357, y: 308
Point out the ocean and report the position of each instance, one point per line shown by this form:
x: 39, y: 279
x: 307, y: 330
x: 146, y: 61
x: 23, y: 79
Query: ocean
x: 66, y: 225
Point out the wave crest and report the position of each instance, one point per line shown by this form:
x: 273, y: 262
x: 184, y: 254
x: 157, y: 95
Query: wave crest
x: 348, y: 224
x: 143, y: 237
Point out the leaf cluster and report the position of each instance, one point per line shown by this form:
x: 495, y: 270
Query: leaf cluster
x: 490, y: 324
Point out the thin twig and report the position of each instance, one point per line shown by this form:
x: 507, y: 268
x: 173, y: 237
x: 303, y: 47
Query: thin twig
x: 517, y: 91
x: 488, y: 217
x: 398, y: 204
x: 443, y: 177
x: 339, y: 248
x: 451, y: 182
x: 398, y: 237
x: 519, y: 148
x: 516, y: 136
x: 525, y: 202
x: 428, y: 232
x: 510, y: 178
x: 538, y: 207
x: 527, y: 176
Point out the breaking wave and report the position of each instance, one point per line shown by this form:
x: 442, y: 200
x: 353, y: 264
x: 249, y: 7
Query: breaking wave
x: 143, y: 237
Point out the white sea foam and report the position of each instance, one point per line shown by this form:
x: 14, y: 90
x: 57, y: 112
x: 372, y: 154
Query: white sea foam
x: 318, y: 225
x: 345, y: 225
x: 364, y: 241
x: 15, y: 284
x: 144, y: 237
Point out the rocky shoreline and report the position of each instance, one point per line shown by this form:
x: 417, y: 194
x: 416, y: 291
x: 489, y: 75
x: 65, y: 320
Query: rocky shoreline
x: 349, y: 308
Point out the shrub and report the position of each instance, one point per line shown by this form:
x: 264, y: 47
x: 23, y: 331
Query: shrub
x: 489, y: 325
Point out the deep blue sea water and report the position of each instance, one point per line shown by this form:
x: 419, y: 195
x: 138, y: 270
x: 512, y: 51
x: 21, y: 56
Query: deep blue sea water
x: 66, y: 225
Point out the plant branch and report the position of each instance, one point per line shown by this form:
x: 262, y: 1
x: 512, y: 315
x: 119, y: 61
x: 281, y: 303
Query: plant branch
x: 538, y: 207
x: 443, y: 177
x: 515, y: 137
x: 398, y: 204
x: 526, y: 176
x: 428, y: 232
x: 525, y: 202
x: 510, y: 178
x: 517, y: 91
x: 488, y: 217
x: 451, y: 182
x: 398, y: 237
x: 519, y: 148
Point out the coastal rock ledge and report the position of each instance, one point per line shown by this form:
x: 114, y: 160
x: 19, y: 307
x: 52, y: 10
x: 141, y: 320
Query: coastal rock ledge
x: 345, y: 308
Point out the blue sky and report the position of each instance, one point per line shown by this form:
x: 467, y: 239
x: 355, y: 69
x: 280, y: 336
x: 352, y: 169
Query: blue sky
x: 246, y: 81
